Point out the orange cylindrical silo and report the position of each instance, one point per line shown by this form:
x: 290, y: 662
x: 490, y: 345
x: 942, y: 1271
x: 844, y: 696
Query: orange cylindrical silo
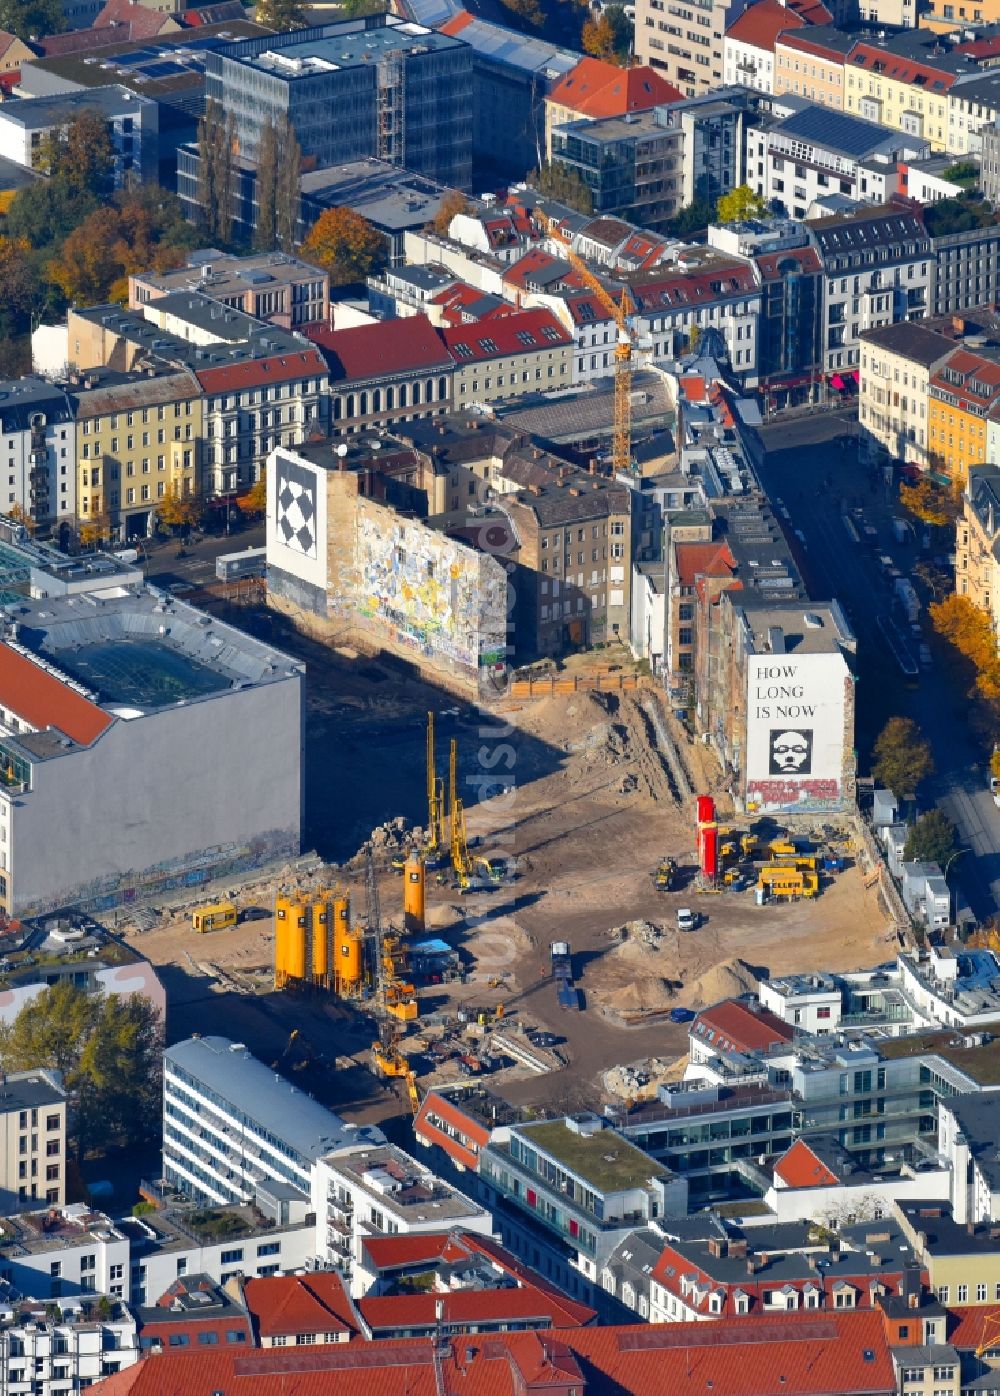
x: 297, y: 917
x: 414, y: 892
x: 281, y: 924
x: 340, y: 927
x: 319, y: 930
x: 350, y: 962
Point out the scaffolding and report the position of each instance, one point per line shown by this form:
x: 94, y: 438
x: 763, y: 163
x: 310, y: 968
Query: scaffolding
x: 391, y: 107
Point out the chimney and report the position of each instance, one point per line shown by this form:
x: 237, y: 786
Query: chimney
x: 574, y: 491
x: 738, y: 1249
x: 751, y: 1265
x: 958, y: 324
x: 592, y: 466
x: 717, y: 1246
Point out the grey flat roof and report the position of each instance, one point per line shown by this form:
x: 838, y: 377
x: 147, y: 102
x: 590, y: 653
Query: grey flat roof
x: 39, y: 113
x: 503, y: 45
x: 809, y: 627
x: 253, y: 1089
x: 335, y: 46
x: 26, y: 1090
x: 978, y: 1118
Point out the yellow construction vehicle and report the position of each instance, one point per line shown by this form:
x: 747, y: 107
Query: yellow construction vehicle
x: 663, y: 878
x: 435, y: 799
x: 786, y: 882
x: 805, y: 862
x: 461, y: 860
x: 985, y: 938
x: 620, y: 311
x: 391, y: 999
x: 781, y: 848
x: 749, y: 843
x: 412, y: 1092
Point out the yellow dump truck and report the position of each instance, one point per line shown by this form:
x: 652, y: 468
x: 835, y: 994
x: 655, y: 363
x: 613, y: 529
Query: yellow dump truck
x: 215, y: 917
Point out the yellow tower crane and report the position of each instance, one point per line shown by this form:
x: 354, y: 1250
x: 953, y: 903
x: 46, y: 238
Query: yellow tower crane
x: 620, y: 311
x: 460, y: 858
x: 435, y: 796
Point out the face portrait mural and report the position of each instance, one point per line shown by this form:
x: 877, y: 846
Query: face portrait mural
x: 791, y: 752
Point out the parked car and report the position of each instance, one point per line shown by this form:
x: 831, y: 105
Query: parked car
x: 687, y: 920
x: 681, y: 1015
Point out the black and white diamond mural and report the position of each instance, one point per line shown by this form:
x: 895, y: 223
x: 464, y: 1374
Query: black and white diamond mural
x: 296, y: 511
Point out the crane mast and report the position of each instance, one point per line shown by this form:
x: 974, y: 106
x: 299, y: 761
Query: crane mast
x: 435, y: 794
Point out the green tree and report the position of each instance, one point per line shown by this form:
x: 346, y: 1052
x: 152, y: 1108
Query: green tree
x: 931, y: 840
x: 265, y: 232
x: 527, y: 14
x: 288, y: 189
x: 692, y: 218
x: 108, y: 1050
x: 346, y: 245
x: 739, y: 205
x: 559, y: 181
x: 902, y: 757
x: 47, y: 212
x: 32, y: 19
x: 360, y: 9
x: 279, y: 165
x: 280, y: 15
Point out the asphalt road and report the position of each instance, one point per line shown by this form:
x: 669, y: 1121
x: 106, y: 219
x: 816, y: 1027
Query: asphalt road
x: 816, y: 479
x: 197, y: 565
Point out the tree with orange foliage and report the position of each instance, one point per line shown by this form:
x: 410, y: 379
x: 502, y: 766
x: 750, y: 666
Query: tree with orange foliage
x: 255, y: 499
x: 453, y: 202
x: 930, y: 502
x: 346, y: 245
x: 179, y: 510
x: 142, y: 229
x: 608, y: 35
x: 969, y: 629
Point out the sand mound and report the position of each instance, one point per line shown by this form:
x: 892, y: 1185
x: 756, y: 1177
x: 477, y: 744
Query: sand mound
x: 443, y: 917
x: 639, y: 997
x: 723, y: 981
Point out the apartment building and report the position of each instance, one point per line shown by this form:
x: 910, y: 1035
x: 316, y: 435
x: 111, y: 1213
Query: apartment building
x: 961, y: 394
x: 38, y: 455
x: 32, y: 1140
x: 509, y: 357
x: 382, y: 374
x: 683, y: 42
x: 897, y: 363
x: 370, y: 87
x: 973, y: 106
x: 139, y: 440
x: 380, y: 1190
x: 68, y: 1346
x: 262, y: 386
x: 961, y: 1258
x: 713, y: 127
x: 748, y: 44
x: 790, y: 327
x: 580, y: 1184
x: 271, y: 286
x: 878, y: 269
x: 966, y: 267
x: 810, y: 62
x: 595, y: 90
x: 903, y: 93
x: 813, y: 153
x: 977, y: 542
x: 231, y: 1125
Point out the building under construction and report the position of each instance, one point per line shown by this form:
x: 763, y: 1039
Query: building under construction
x: 363, y: 88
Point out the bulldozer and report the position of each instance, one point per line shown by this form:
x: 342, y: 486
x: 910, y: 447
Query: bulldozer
x: 666, y: 872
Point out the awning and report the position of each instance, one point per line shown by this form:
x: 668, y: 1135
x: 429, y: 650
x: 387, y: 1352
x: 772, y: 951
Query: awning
x: 854, y: 375
x: 836, y: 381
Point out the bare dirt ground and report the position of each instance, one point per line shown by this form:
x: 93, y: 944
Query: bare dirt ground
x: 571, y: 788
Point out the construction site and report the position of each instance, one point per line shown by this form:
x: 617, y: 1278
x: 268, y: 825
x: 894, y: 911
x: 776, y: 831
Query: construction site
x: 536, y: 894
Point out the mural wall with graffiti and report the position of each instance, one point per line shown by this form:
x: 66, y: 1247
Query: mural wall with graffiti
x: 435, y: 594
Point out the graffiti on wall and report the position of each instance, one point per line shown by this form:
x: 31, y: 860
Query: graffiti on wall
x: 436, y: 595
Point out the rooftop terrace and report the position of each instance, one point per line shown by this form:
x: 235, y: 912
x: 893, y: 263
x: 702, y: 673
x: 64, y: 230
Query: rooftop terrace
x: 604, y: 1159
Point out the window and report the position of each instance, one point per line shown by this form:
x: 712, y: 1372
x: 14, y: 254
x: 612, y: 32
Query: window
x: 51, y: 1122
x: 981, y: 1294
x: 963, y: 1294
x: 208, y: 1339
x: 178, y: 1340
x: 235, y: 1335
x: 269, y: 1248
x: 233, y: 1256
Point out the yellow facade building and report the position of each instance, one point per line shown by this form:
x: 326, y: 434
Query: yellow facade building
x: 960, y: 396
x: 899, y: 93
x: 945, y: 15
x: 138, y: 443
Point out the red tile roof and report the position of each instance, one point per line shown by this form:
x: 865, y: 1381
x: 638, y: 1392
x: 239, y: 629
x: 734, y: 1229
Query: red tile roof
x: 985, y: 372
x: 773, y: 265
x: 525, y: 332
x: 143, y: 22
x: 388, y: 1314
x: 760, y: 24
x: 596, y: 88
x: 410, y: 344
x: 732, y: 1026
x: 889, y: 65
x: 257, y: 373
x: 452, y: 1114
x: 812, y: 11
x: 838, y: 1354
x: 799, y: 1167
x: 221, y: 12
x: 694, y: 560
x: 288, y: 1304
x: 83, y: 41
x: 42, y: 700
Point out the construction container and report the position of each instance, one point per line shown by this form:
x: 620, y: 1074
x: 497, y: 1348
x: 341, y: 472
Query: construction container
x: 414, y: 892
x: 215, y: 917
x: 788, y: 882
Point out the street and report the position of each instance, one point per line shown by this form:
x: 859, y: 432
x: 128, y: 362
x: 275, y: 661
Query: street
x: 817, y: 480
